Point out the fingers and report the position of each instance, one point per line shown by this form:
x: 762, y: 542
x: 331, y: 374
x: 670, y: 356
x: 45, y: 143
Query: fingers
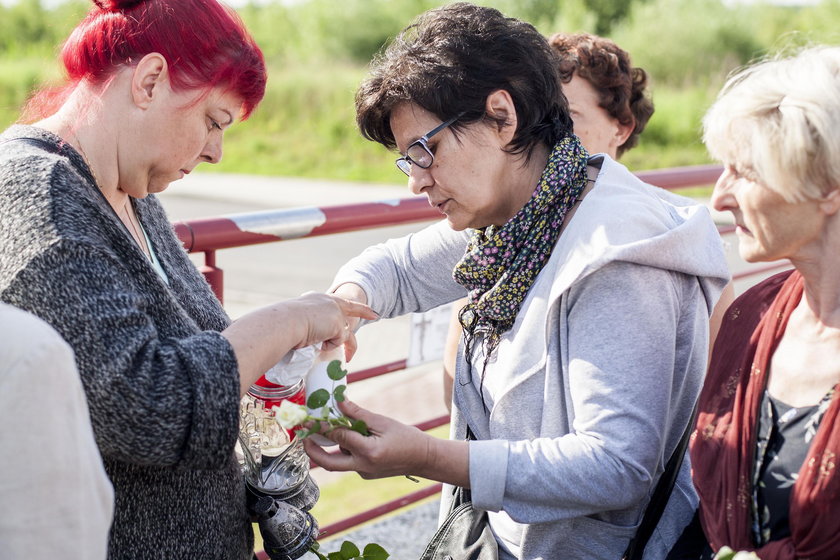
x: 350, y: 347
x: 352, y: 410
x: 351, y: 447
x: 353, y: 311
x: 356, y: 309
x: 345, y: 337
x: 340, y: 462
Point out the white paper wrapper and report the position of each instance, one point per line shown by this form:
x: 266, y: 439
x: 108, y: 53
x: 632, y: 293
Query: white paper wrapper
x: 294, y: 366
x: 317, y: 378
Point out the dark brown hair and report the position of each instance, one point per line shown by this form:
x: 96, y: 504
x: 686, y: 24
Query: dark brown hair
x: 607, y: 67
x: 450, y: 59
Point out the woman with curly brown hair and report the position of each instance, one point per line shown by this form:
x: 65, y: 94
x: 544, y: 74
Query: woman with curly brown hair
x: 607, y: 98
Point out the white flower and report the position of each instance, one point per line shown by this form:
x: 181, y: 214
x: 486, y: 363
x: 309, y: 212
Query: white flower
x: 726, y: 553
x: 289, y: 415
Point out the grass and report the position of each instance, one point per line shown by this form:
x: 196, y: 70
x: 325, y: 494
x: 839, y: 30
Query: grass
x: 19, y: 77
x: 317, y: 56
x: 305, y: 126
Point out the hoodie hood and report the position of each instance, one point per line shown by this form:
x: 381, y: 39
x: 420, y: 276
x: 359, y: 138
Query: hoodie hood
x: 625, y: 219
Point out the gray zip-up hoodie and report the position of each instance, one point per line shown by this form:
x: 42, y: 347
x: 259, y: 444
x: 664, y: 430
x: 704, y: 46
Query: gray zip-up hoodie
x: 594, y: 384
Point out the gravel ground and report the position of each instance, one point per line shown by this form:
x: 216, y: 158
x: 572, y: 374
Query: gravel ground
x: 404, y: 535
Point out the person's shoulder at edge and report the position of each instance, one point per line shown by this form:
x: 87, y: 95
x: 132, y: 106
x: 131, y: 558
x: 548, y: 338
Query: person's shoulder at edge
x: 630, y: 202
x: 22, y: 333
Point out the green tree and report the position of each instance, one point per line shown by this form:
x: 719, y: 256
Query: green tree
x: 609, y: 12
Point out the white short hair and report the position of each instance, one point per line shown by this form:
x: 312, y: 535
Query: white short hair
x: 780, y: 119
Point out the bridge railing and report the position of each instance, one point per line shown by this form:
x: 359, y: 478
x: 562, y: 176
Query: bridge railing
x: 208, y: 235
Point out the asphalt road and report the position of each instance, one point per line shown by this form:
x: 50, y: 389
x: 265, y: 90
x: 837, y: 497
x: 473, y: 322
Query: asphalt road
x: 261, y: 274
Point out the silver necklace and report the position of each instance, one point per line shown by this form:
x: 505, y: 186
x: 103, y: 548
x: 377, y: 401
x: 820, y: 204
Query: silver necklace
x: 130, y: 226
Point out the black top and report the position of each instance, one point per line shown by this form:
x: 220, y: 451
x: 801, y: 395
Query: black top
x: 784, y: 437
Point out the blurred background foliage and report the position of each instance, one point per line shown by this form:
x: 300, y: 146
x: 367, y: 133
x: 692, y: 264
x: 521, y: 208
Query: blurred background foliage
x: 318, y: 50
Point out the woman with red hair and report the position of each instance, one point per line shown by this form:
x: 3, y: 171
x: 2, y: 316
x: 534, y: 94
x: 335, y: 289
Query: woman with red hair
x: 152, y: 86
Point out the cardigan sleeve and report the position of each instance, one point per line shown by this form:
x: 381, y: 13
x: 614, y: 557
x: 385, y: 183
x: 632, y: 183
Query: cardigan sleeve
x: 154, y: 400
x: 621, y: 343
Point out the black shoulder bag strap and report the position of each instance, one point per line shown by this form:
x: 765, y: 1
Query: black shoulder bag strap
x: 661, y: 495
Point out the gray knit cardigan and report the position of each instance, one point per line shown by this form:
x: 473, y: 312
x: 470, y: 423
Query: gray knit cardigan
x: 162, y: 383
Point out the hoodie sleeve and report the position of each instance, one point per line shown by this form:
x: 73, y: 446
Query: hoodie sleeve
x: 409, y: 274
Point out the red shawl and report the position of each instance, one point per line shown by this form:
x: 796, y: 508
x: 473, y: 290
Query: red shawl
x: 724, y: 441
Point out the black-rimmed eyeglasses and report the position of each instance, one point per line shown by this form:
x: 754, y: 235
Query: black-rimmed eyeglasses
x: 418, y: 152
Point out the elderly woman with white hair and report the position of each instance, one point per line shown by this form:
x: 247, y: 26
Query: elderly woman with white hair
x: 765, y: 448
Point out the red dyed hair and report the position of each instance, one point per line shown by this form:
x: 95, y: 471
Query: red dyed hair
x: 204, y: 43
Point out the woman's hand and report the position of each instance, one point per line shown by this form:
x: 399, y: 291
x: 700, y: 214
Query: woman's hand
x: 330, y: 319
x: 261, y: 338
x: 391, y: 449
x: 351, y: 292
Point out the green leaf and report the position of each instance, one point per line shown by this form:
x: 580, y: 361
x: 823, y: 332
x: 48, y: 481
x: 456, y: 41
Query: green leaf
x: 318, y: 399
x: 314, y: 548
x: 360, y: 426
x: 338, y: 394
x: 336, y: 556
x: 315, y: 428
x: 375, y: 552
x: 349, y: 550
x: 334, y: 370
x: 302, y: 433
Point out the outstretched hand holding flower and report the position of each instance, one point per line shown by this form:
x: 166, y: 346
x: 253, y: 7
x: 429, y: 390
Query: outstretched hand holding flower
x: 292, y: 416
x: 377, y: 446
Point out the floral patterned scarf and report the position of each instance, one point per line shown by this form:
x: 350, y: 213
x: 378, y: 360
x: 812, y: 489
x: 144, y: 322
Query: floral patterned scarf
x: 502, y: 262
x: 724, y: 442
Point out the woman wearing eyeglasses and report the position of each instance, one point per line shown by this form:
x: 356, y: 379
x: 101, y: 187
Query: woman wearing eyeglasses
x: 586, y: 327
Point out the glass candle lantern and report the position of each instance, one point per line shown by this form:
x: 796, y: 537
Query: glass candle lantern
x: 272, y: 459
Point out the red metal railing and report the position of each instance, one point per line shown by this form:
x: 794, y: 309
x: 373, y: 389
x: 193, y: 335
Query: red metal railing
x: 238, y: 230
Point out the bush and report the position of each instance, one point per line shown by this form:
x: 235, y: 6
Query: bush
x: 685, y: 42
x: 318, y: 51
